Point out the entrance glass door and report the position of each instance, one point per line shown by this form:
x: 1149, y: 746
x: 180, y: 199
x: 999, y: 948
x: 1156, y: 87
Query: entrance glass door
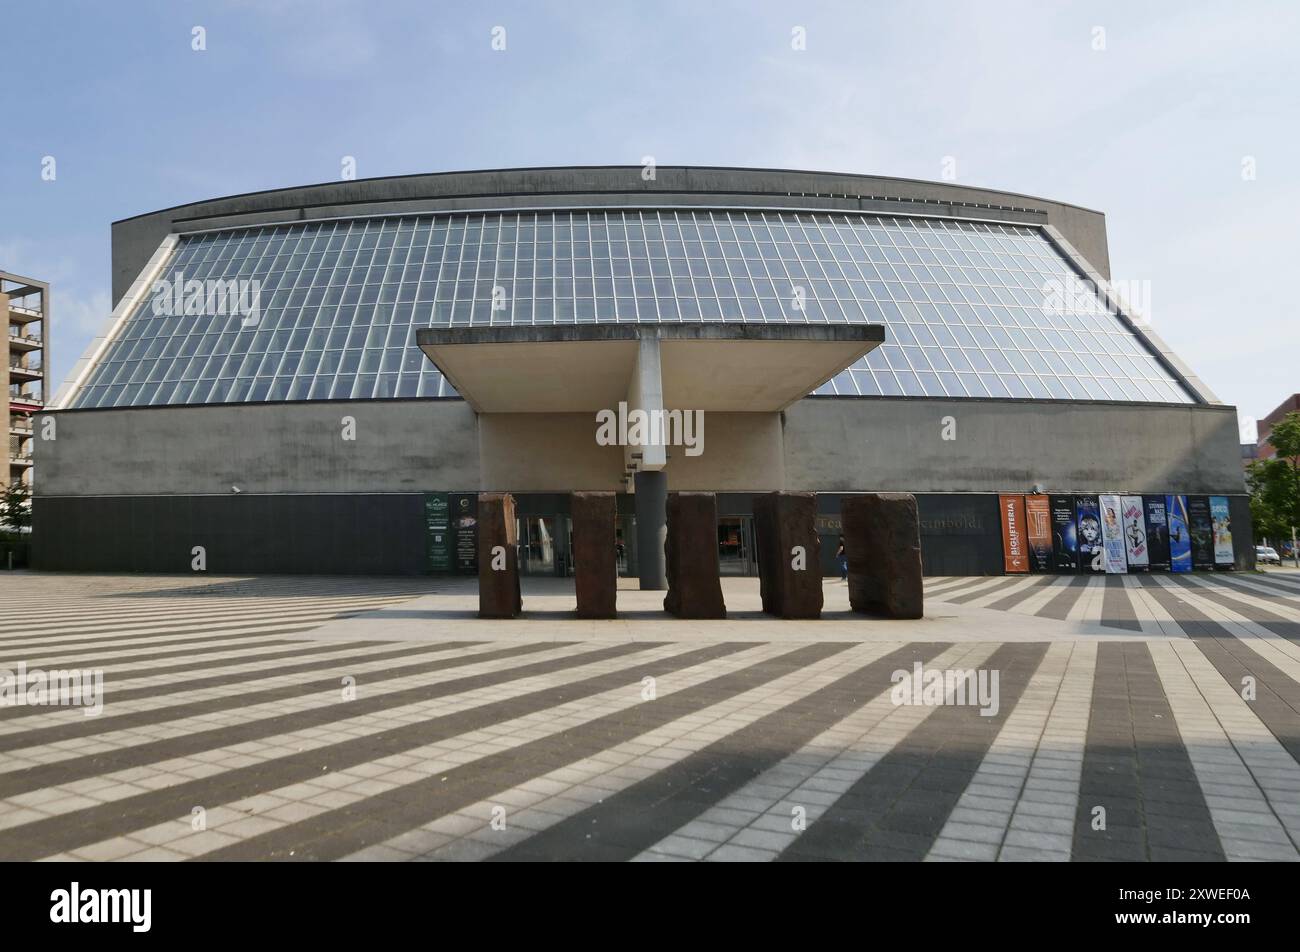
x: 537, y: 545
x: 736, y: 545
x: 625, y: 545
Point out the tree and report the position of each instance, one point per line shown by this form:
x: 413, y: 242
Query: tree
x: 1275, y: 483
x: 1285, y: 438
x: 15, y: 507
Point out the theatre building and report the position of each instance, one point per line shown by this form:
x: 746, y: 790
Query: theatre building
x: 320, y: 379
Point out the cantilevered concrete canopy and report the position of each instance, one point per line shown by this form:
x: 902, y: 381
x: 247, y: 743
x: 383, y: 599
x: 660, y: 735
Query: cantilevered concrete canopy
x: 588, y: 367
x: 654, y: 370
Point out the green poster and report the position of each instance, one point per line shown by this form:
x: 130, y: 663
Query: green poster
x: 438, y: 536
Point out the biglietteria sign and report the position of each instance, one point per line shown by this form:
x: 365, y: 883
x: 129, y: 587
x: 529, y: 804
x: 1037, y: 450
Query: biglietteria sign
x: 1015, y: 553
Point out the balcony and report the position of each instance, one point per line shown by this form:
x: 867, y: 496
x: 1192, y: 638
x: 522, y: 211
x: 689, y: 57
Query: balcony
x: 24, y: 315
x: 18, y: 372
x: 25, y: 343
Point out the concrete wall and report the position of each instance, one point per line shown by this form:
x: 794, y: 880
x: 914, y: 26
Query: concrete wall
x: 743, y: 452
x: 534, y: 452
x: 329, y: 534
x: 820, y: 444
x: 883, y: 444
x: 546, y: 452
x: 400, y: 446
x: 134, y: 239
x: 124, y: 490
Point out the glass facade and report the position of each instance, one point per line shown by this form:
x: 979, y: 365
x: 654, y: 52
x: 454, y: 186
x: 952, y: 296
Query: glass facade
x: 970, y: 309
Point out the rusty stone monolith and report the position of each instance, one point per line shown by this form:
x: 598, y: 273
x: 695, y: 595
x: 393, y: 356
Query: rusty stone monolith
x: 882, y: 539
x: 789, y: 554
x: 595, y: 556
x: 694, y: 587
x: 498, y: 557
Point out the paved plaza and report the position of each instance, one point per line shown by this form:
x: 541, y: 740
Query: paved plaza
x: 294, y: 718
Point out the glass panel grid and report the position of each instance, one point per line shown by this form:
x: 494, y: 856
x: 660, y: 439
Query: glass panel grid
x: 968, y: 307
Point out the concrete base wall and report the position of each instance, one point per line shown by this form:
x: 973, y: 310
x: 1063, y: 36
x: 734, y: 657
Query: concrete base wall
x: 124, y: 490
x: 336, y: 534
x: 818, y: 444
x: 399, y: 446
x: 384, y: 534
x: 897, y: 445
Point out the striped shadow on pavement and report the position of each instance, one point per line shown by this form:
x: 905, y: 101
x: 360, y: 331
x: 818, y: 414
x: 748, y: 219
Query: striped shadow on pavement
x: 63, y: 832
x: 65, y: 771
x: 897, y: 809
x: 1277, y: 701
x: 1137, y: 770
x: 191, y: 742
x: 1117, y: 609
x: 636, y: 818
x: 412, y: 805
x: 1230, y: 597
x: 322, y: 655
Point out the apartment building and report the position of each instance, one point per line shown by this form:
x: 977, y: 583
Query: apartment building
x: 24, y: 305
x: 1265, y: 426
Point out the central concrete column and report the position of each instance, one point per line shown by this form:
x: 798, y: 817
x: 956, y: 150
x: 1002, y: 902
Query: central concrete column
x: 652, y: 529
x: 645, y: 392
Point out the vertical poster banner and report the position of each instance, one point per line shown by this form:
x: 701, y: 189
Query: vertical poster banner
x: 1112, y: 534
x: 464, y: 532
x: 1198, y: 518
x: 1157, y: 516
x: 1038, y: 532
x: 1092, y: 556
x: 1015, y: 554
x: 437, y: 533
x: 1180, y: 534
x: 1224, y: 557
x: 1065, y: 537
x: 1136, y: 551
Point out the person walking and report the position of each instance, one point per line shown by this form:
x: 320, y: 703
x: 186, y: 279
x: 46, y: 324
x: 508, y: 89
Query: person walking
x: 843, y: 559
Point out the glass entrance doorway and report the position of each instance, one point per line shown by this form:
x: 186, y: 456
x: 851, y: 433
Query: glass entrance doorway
x: 546, y: 546
x: 543, y: 545
x: 736, y: 545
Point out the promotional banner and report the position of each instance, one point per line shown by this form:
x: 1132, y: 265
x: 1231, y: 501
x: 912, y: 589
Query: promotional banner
x: 1180, y: 534
x: 451, y: 533
x: 1223, y: 554
x: 1015, y: 555
x: 464, y: 531
x: 437, y: 533
x: 1157, y: 517
x: 1135, y: 536
x: 1198, y: 520
x: 1092, y: 556
x: 1065, y: 538
x: 1038, y: 532
x: 1112, y: 534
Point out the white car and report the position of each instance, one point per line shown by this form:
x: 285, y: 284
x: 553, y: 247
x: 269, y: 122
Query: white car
x: 1266, y: 554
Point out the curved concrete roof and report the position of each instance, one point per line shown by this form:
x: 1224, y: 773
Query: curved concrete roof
x: 135, y: 239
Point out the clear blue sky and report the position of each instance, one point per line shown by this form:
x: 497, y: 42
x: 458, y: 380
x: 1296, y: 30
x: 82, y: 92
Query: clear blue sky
x: 1153, y: 129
